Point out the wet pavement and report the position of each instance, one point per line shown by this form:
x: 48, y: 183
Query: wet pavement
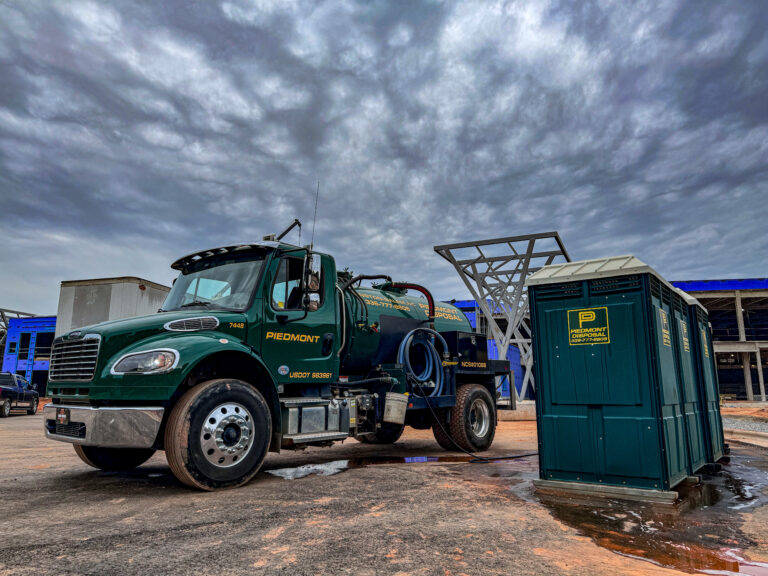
x: 702, y: 533
x: 359, y: 509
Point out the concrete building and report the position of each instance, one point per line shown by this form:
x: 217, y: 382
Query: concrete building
x: 738, y: 313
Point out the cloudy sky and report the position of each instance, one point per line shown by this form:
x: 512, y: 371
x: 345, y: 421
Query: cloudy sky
x: 135, y: 132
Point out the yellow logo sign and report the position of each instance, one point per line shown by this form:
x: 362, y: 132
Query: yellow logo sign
x: 588, y: 326
x: 704, y: 342
x: 473, y: 365
x: 665, y: 336
x: 684, y: 332
x: 288, y: 337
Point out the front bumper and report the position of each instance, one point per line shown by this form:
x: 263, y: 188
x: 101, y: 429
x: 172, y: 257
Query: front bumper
x: 125, y: 427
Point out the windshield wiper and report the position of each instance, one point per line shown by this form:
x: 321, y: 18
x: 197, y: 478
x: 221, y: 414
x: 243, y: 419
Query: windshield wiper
x: 196, y: 303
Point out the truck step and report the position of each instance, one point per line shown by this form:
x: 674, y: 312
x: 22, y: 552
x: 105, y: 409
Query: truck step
x: 302, y: 401
x: 316, y: 437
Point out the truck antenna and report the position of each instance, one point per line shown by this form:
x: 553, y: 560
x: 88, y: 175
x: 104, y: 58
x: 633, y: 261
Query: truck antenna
x: 314, y: 220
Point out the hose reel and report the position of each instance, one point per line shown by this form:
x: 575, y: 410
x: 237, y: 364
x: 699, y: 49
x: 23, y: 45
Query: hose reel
x: 431, y: 376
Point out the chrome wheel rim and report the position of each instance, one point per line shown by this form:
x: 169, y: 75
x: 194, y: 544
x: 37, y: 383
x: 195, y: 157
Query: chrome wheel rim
x: 479, y: 417
x: 6, y: 408
x: 226, y: 435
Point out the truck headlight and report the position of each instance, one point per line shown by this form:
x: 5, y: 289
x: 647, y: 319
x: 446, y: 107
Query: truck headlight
x: 151, y: 362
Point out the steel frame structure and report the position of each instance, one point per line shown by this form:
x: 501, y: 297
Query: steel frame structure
x: 4, y: 315
x: 497, y: 283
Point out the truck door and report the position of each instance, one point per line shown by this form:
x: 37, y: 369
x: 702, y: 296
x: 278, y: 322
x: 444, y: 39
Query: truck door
x: 18, y: 394
x: 29, y: 394
x: 299, y: 345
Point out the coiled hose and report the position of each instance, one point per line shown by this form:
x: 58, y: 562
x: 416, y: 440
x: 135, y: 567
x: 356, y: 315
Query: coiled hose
x: 433, y: 365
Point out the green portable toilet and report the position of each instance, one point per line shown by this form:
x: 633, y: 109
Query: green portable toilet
x: 610, y: 402
x: 695, y: 425
x: 706, y: 373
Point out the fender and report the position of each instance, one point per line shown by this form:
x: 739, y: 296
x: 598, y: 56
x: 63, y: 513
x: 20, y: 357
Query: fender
x: 192, y: 348
x: 197, y: 352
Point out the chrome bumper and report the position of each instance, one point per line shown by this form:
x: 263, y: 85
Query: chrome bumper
x: 108, y: 427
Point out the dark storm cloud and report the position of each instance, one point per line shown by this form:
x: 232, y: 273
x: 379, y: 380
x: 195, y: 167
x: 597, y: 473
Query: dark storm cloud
x: 132, y: 133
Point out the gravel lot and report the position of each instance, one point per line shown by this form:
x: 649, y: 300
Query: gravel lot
x: 446, y: 518
x: 750, y: 424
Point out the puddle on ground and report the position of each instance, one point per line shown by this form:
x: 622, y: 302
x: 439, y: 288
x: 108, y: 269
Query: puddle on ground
x: 336, y: 466
x: 324, y: 469
x: 701, y: 534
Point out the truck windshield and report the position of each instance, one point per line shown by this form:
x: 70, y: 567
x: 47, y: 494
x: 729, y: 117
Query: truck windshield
x: 221, y: 283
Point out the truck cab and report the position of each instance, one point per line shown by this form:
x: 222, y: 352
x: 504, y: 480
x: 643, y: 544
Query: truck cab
x: 16, y: 394
x: 264, y: 346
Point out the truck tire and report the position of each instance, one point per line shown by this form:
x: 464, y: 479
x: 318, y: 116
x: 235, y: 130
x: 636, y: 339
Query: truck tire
x: 387, y: 434
x: 441, y: 430
x: 218, y: 434
x: 33, y: 408
x: 473, y: 418
x: 5, y: 408
x: 113, y: 459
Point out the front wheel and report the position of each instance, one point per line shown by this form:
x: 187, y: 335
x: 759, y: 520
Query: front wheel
x: 33, y: 407
x: 218, y: 434
x: 473, y: 418
x: 5, y: 408
x: 113, y: 459
x: 388, y: 434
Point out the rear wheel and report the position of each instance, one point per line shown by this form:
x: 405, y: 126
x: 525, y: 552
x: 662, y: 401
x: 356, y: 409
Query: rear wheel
x: 218, y: 434
x: 33, y: 408
x: 387, y: 434
x: 113, y: 459
x: 473, y: 418
x: 441, y: 431
x: 5, y: 408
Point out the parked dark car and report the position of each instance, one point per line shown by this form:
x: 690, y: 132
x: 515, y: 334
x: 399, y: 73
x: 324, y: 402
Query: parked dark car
x: 16, y: 394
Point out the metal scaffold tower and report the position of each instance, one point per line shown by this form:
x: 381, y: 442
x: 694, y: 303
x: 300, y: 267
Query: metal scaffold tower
x: 495, y: 272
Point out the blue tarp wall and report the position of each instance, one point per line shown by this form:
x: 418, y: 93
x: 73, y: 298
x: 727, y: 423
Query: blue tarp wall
x: 513, y: 355
x: 31, y: 358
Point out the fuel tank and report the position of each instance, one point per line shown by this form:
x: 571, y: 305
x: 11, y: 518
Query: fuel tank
x: 378, y: 320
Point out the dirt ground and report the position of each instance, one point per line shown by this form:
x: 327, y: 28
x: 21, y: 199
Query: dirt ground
x: 745, y: 409
x: 382, y: 515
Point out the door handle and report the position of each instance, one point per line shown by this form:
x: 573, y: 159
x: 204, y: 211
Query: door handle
x: 327, y: 344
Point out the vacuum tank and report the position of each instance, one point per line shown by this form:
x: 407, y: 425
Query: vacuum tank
x: 378, y: 318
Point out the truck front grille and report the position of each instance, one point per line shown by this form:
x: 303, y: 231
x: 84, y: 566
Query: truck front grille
x: 74, y: 360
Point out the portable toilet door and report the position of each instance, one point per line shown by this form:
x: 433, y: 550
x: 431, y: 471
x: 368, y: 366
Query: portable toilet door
x: 709, y: 387
x: 695, y: 427
x: 670, y: 397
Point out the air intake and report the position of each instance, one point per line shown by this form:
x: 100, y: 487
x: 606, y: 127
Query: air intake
x: 193, y: 324
x: 74, y: 360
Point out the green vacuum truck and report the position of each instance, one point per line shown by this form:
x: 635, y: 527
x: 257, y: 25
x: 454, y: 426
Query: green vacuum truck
x: 264, y: 347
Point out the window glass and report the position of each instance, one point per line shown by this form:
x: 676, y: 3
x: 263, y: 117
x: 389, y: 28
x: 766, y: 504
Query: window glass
x: 219, y: 283
x: 286, y: 291
x: 12, y: 348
